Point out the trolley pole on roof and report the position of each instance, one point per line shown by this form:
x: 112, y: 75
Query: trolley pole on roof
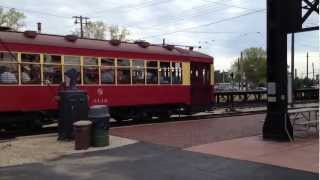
x: 82, y: 21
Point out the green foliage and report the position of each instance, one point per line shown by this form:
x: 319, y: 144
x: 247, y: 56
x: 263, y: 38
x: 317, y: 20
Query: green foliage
x: 12, y: 19
x: 253, y: 66
x: 300, y: 83
x: 222, y: 77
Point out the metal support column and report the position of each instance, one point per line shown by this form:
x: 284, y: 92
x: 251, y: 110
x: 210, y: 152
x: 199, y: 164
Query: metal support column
x: 277, y: 125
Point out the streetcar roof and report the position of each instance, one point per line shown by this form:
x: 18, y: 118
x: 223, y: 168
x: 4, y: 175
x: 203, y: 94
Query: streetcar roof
x: 124, y: 49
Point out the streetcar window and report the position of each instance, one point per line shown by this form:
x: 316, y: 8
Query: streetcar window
x: 91, y: 74
x: 138, y: 63
x: 123, y: 76
x: 152, y: 72
x: 30, y: 74
x: 107, y: 71
x: 32, y: 58
x: 123, y: 62
x: 8, y: 57
x: 90, y: 70
x: 8, y: 73
x: 138, y: 72
x: 152, y: 64
x: 165, y: 73
x: 91, y: 61
x: 138, y: 76
x: 123, y: 71
x: 152, y: 76
x: 77, y: 68
x: 30, y: 69
x: 107, y: 75
x: 176, y: 70
x: 74, y: 60
x: 52, y: 74
x: 52, y: 59
x: 52, y: 69
x: 107, y: 62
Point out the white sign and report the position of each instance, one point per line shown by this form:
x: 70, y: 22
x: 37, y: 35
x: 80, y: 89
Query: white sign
x: 272, y: 88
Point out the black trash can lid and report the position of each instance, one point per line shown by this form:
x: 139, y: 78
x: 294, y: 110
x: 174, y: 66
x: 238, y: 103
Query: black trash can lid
x: 82, y: 123
x: 98, y: 111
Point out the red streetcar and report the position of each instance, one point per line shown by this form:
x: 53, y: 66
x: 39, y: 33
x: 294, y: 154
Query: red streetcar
x: 134, y: 79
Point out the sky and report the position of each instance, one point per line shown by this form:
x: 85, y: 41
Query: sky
x: 222, y: 28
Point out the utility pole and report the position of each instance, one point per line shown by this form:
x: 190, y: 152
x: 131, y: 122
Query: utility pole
x: 223, y: 76
x: 307, y: 65
x: 82, y: 21
x: 241, y: 70
x: 239, y: 74
x: 312, y: 73
x: 296, y: 73
x: 292, y: 68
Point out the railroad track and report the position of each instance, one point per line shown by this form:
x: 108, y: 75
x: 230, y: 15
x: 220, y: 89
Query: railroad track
x: 11, y: 134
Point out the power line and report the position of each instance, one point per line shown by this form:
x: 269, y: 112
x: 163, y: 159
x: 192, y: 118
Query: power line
x: 137, y: 6
x: 203, y: 10
x: 207, y: 24
x: 218, y: 32
x: 229, y: 5
x: 134, y: 25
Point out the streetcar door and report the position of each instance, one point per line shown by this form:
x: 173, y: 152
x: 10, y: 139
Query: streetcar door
x: 200, y: 85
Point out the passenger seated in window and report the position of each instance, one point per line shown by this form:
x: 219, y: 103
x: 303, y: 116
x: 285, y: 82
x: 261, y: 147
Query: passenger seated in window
x: 107, y: 76
x: 6, y: 76
x: 25, y: 77
x: 152, y: 77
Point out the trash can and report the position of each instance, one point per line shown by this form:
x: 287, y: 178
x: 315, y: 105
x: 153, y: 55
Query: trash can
x: 73, y: 106
x: 82, y: 132
x: 99, y: 116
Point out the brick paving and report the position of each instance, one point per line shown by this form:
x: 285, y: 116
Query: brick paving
x: 185, y: 134
x: 302, y: 154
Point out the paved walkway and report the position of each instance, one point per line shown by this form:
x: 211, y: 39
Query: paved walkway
x: 190, y: 133
x: 143, y: 161
x: 302, y: 154
x: 218, y: 149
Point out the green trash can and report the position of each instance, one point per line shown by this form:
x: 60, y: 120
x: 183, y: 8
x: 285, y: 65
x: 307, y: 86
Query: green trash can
x: 100, y: 138
x: 99, y: 116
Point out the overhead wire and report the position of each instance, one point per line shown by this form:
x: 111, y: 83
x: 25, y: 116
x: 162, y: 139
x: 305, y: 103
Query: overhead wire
x: 207, y: 24
x: 202, y: 10
x: 132, y: 6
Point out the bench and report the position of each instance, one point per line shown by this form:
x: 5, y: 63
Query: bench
x: 302, y: 117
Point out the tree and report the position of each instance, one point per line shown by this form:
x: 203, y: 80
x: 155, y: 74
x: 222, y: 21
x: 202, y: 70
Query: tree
x: 117, y: 33
x: 253, y: 66
x: 99, y: 30
x: 222, y: 77
x: 93, y: 30
x: 12, y: 19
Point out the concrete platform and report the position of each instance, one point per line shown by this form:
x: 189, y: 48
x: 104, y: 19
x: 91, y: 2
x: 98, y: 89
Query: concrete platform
x: 142, y: 161
x: 41, y: 148
x: 302, y: 154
